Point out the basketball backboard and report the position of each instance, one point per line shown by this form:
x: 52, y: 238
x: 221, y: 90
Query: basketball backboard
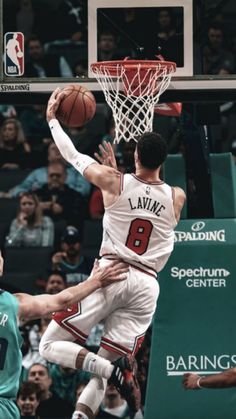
x: 138, y: 28
x: 134, y: 24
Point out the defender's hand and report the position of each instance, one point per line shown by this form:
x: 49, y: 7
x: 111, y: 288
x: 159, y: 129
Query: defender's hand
x: 106, y: 156
x: 115, y: 272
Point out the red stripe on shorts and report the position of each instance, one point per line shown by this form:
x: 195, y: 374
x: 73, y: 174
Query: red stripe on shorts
x: 114, y: 347
x: 63, y: 319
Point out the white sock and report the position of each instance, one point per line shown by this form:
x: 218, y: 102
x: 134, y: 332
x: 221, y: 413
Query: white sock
x: 79, y: 415
x: 96, y: 364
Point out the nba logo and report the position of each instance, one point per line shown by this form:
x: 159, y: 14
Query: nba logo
x: 14, y: 54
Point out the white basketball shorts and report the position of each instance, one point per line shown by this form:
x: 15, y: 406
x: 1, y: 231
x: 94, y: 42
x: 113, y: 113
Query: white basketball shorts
x: 126, y: 308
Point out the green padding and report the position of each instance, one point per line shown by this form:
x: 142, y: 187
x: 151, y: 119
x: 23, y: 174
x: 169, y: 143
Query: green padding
x: 174, y: 175
x: 223, y: 185
x: 194, y: 325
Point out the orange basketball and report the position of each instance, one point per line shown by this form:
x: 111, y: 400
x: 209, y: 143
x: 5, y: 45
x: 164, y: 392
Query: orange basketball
x: 78, y: 106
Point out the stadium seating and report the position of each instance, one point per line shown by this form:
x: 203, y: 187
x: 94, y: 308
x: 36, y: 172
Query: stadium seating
x: 28, y: 260
x: 11, y: 178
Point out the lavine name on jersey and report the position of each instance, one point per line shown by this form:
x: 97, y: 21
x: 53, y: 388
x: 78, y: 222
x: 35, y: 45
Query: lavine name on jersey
x: 148, y: 204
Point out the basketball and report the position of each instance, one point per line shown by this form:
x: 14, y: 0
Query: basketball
x: 78, y: 106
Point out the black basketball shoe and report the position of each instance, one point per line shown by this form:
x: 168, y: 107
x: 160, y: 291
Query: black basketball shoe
x: 124, y: 377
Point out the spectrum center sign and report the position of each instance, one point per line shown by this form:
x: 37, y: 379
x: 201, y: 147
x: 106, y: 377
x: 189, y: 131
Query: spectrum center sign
x: 201, y: 277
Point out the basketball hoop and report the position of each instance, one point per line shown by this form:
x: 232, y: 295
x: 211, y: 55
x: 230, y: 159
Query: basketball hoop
x: 132, y: 89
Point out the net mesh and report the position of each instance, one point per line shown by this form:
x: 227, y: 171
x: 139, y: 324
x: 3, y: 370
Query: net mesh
x: 132, y: 90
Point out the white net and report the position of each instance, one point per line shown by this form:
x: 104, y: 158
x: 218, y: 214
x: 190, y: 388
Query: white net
x: 132, y: 90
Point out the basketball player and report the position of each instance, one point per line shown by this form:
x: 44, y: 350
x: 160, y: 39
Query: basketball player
x: 16, y: 307
x: 141, y: 213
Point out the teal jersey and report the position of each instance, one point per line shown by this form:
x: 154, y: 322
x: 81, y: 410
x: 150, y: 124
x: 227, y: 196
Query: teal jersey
x: 9, y: 409
x: 10, y: 344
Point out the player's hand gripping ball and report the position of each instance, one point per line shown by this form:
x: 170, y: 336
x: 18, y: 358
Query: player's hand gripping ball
x: 77, y: 107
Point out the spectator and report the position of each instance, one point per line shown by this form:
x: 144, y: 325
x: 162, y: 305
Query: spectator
x: 70, y: 259
x: 41, y: 65
x: 131, y: 37
x: 80, y: 69
x: 63, y: 204
x: 28, y: 399
x: 168, y: 39
x: 35, y: 332
x: 166, y: 24
x: 56, y: 282
x: 51, y: 406
x: 107, y: 47
x: 35, y: 126
x: 65, y: 381
x: 94, y: 339
x: 25, y: 18
x: 215, y: 55
x: 114, y: 406
x: 38, y: 177
x: 30, y: 228
x: 14, y: 150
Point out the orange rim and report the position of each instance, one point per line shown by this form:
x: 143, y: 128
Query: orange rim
x: 111, y: 67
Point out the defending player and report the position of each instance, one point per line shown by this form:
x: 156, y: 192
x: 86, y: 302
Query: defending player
x: 141, y: 213
x: 26, y: 307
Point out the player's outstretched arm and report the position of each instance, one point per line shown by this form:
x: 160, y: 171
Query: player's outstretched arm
x: 32, y: 307
x: 224, y: 379
x: 102, y: 176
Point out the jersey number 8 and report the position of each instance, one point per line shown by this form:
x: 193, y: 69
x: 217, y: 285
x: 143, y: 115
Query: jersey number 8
x: 139, y: 235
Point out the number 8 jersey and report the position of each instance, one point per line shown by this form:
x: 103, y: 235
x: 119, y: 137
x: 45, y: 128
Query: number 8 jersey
x: 139, y: 226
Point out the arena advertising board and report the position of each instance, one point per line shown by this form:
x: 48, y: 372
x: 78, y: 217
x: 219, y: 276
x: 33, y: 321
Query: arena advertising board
x: 194, y: 325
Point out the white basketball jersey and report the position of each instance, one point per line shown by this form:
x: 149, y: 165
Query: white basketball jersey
x: 139, y: 226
